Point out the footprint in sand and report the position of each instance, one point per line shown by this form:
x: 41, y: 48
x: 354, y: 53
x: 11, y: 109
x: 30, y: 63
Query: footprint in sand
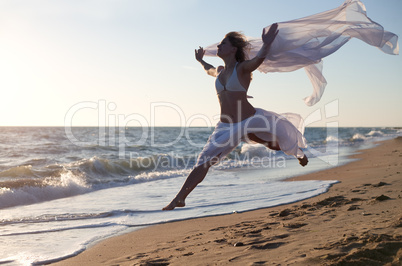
x: 218, y: 228
x: 271, y: 245
x: 159, y: 262
x: 380, y: 184
x: 398, y: 222
x: 258, y: 263
x: 382, y: 198
x: 294, y: 225
x: 353, y: 208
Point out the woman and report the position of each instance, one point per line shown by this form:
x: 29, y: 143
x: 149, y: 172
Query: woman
x: 239, y: 120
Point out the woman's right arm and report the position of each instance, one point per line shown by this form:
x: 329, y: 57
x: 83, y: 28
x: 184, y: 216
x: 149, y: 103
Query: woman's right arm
x: 210, y: 69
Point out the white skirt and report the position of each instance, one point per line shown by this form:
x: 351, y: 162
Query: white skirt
x: 285, y: 129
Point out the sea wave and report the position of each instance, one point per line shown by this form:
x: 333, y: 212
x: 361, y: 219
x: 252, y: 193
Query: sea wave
x: 40, y: 175
x: 358, y: 137
x: 72, y: 217
x: 18, y: 171
x: 331, y: 139
x: 25, y: 185
x: 48, y: 189
x: 29, y: 171
x: 255, y: 150
x: 158, y: 175
x: 375, y: 133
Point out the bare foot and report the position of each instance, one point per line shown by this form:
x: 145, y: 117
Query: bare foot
x: 303, y: 161
x: 175, y: 203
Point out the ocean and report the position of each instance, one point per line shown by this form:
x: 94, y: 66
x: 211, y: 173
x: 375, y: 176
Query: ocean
x: 62, y: 190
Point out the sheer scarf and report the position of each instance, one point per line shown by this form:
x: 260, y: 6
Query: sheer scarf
x: 302, y: 43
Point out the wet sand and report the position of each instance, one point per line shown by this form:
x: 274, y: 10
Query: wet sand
x: 357, y: 222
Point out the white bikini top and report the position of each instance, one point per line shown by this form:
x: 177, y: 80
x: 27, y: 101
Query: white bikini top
x: 232, y: 83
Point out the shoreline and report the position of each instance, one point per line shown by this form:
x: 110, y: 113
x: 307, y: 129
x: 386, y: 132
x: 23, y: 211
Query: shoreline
x: 361, y: 214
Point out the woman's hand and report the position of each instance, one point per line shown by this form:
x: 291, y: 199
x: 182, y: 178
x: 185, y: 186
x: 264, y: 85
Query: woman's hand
x: 269, y: 37
x: 199, y: 54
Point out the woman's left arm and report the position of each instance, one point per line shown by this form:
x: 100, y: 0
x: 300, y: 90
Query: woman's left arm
x: 249, y: 66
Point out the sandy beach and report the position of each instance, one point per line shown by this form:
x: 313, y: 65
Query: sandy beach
x: 357, y: 222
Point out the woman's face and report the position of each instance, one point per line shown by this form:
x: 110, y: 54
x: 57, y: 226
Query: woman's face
x: 225, y: 48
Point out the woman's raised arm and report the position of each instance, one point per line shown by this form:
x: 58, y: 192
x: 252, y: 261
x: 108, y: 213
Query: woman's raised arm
x: 210, y: 69
x: 249, y: 66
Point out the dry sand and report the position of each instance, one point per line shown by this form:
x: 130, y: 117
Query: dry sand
x: 357, y: 222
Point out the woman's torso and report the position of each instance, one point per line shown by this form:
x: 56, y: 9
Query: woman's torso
x: 233, y: 96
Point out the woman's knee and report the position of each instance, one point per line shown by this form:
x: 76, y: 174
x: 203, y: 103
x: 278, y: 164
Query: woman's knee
x: 273, y: 145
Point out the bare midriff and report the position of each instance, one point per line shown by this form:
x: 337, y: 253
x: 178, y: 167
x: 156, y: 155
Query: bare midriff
x: 234, y: 106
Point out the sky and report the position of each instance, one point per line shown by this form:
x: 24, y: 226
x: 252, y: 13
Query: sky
x: 124, y: 63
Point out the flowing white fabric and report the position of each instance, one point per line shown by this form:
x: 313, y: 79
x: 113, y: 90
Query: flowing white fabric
x: 285, y: 129
x: 304, y: 42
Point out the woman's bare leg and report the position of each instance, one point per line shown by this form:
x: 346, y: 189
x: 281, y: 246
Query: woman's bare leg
x: 194, y: 178
x: 273, y: 145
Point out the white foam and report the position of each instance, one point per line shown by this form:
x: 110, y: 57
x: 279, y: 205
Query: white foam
x: 331, y: 139
x: 68, y: 185
x: 255, y: 150
x: 375, y: 133
x: 158, y: 175
x: 358, y: 137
